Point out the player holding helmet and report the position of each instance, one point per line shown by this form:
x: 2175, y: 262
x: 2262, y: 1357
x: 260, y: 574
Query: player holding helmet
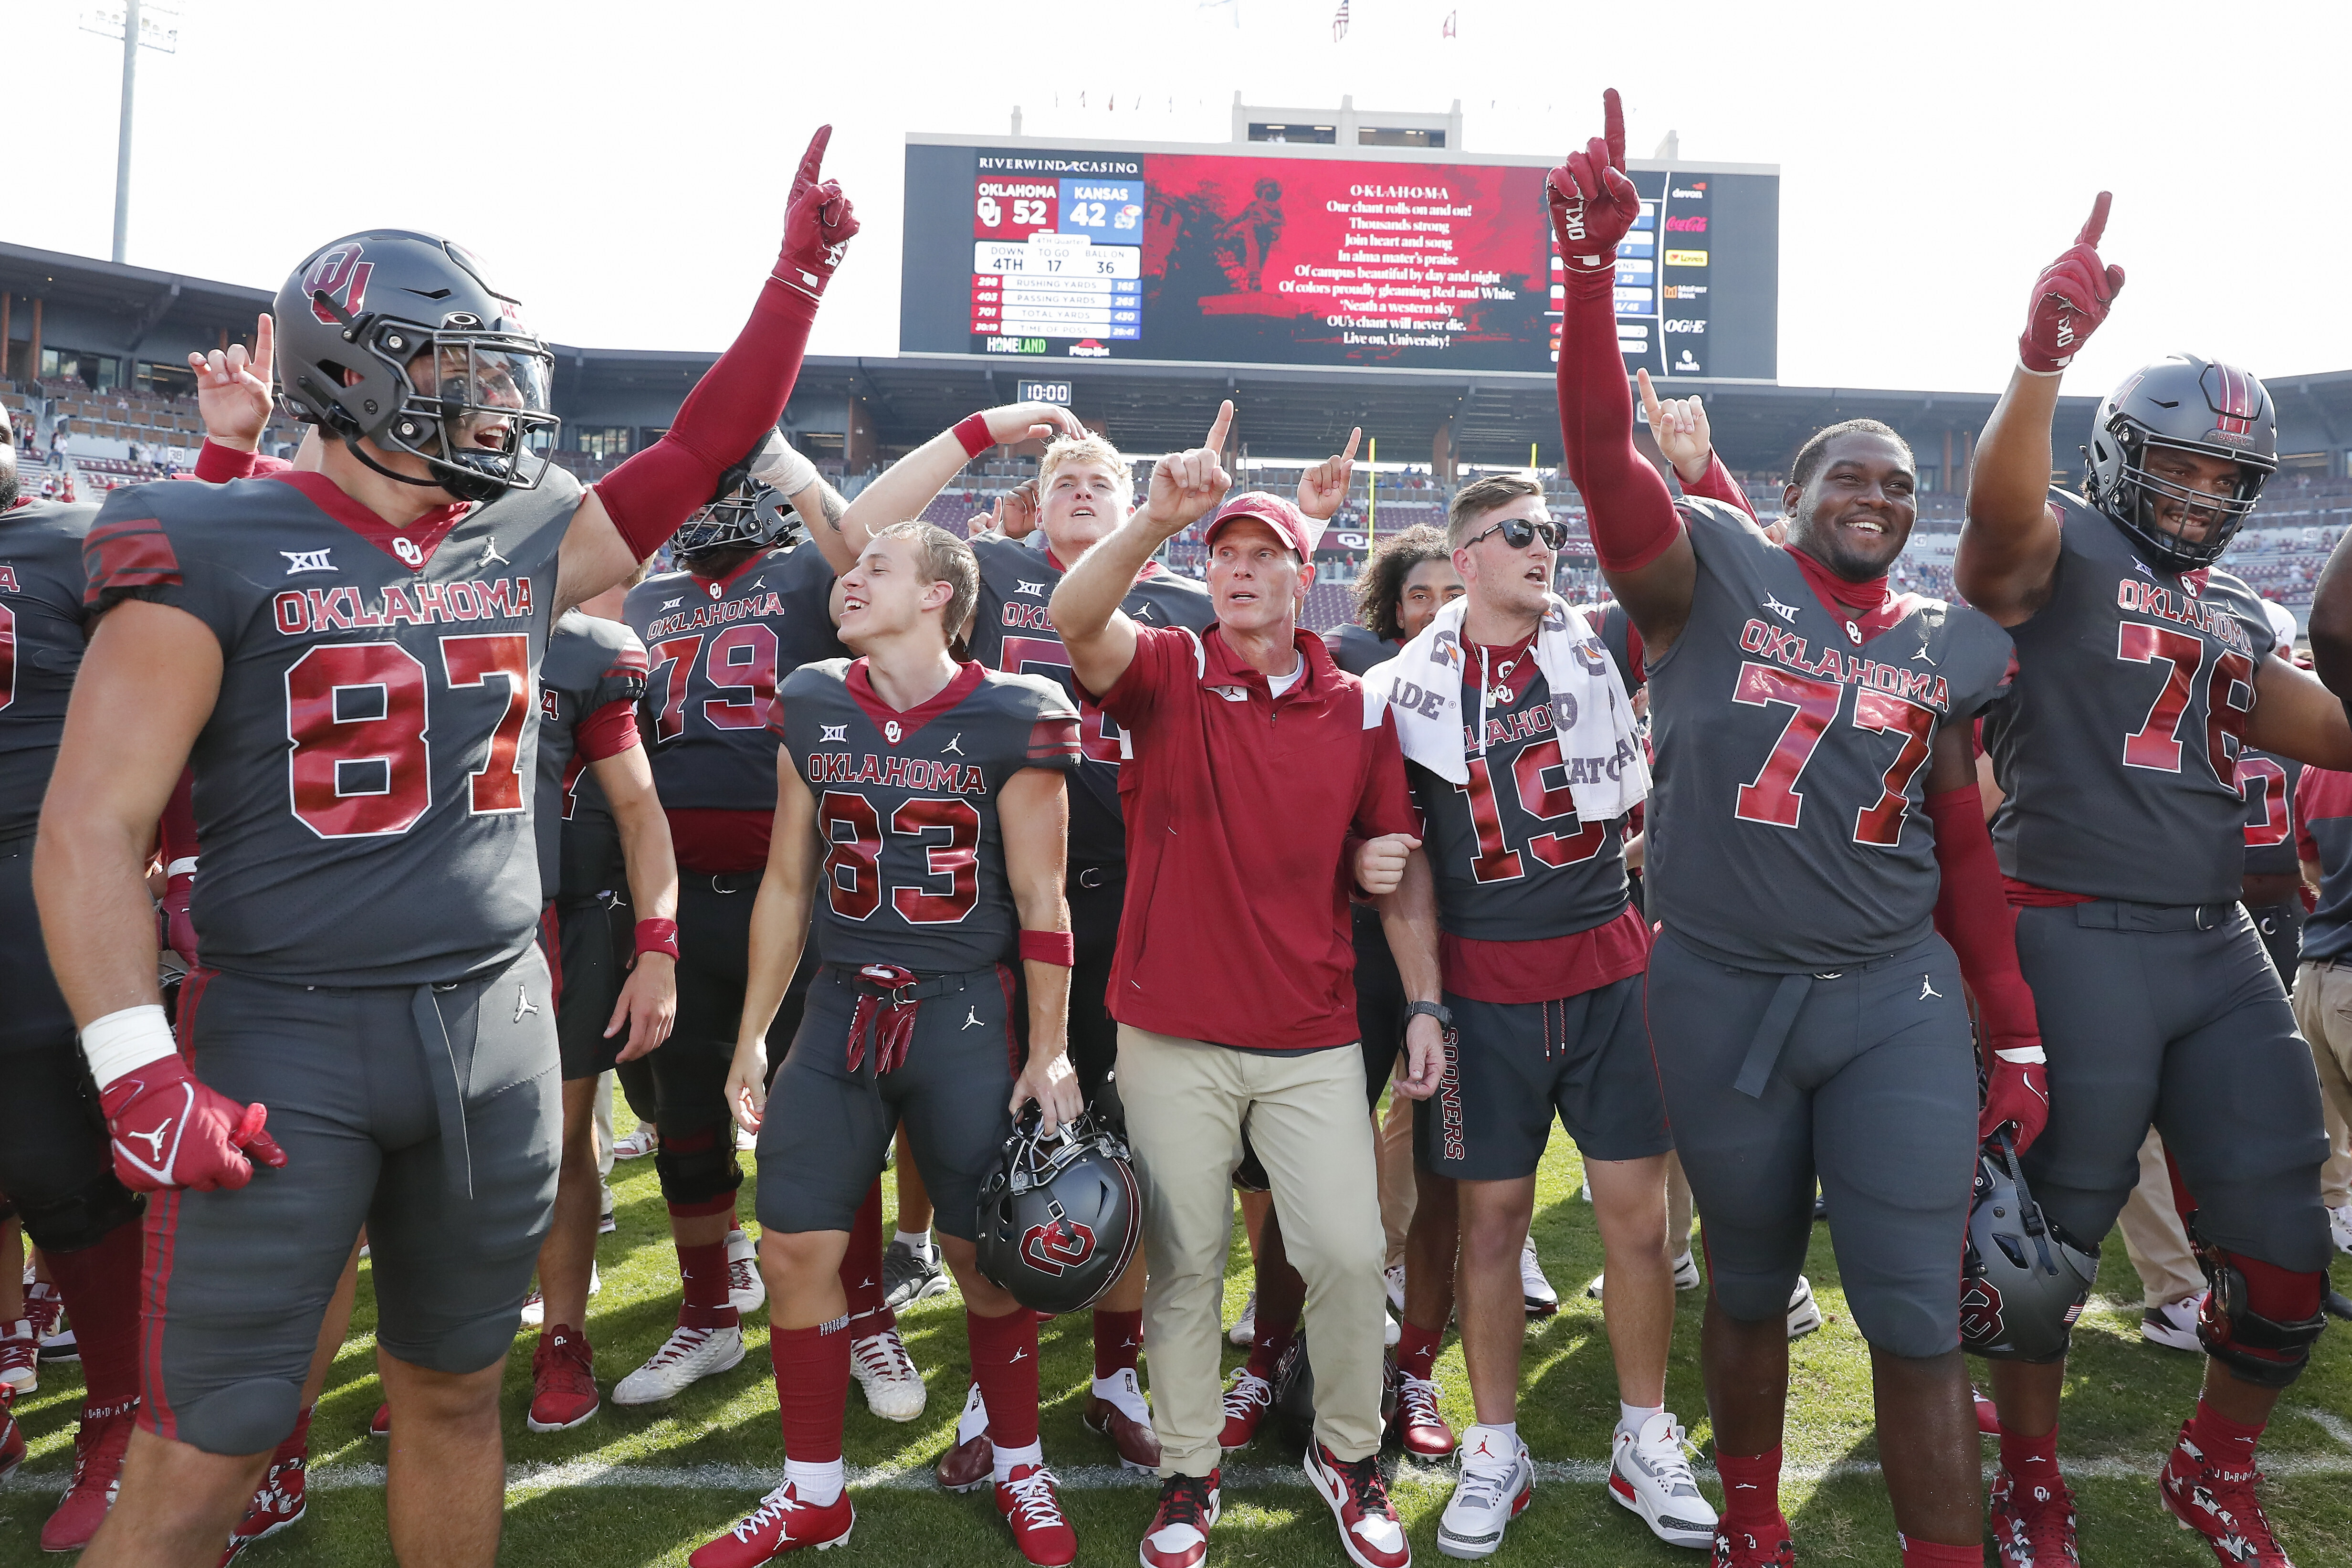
x: 2142, y: 671
x: 927, y: 798
x: 347, y: 658
x: 1815, y: 826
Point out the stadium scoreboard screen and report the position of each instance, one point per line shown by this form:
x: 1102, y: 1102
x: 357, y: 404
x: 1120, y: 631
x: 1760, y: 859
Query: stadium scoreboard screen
x: 1293, y: 256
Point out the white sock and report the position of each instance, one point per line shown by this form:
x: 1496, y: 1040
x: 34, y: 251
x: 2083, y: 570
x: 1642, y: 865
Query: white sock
x: 818, y: 1483
x: 919, y: 1240
x: 1007, y: 1460
x: 1630, y: 1417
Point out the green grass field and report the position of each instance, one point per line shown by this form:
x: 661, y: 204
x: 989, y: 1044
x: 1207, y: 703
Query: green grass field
x: 645, y: 1487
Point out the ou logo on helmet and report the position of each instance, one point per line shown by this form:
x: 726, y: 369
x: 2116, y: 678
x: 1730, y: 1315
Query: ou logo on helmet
x: 1981, y: 1319
x: 1057, y: 1245
x: 342, y: 277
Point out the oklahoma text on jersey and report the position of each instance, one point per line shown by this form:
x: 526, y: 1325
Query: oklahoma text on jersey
x: 703, y: 616
x: 300, y: 611
x: 1785, y: 647
x: 2215, y: 620
x: 897, y: 773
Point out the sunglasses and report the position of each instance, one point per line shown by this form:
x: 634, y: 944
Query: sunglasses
x: 1518, y: 532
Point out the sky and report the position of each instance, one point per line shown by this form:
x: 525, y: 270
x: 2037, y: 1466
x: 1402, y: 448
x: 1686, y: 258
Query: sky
x: 623, y: 167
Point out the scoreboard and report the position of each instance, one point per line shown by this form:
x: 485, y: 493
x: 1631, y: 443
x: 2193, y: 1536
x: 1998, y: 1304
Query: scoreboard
x: 1317, y: 256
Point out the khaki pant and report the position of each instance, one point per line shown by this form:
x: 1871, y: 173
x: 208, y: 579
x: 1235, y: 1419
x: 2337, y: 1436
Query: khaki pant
x: 2322, y: 1011
x: 1398, y: 1194
x: 2153, y: 1234
x: 1187, y: 1103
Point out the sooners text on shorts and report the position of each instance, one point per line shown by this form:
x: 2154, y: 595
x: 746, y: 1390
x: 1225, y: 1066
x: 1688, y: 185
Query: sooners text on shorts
x: 363, y: 784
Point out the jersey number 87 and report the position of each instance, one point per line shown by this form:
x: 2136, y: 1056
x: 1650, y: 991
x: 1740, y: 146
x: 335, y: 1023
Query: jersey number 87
x: 361, y: 766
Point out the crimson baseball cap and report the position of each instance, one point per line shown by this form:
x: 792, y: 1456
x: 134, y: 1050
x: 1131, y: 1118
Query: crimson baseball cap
x: 1301, y: 533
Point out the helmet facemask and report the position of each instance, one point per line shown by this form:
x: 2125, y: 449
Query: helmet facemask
x: 2141, y: 498
x: 747, y: 514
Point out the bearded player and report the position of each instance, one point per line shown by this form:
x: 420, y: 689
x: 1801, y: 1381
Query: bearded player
x: 347, y: 658
x: 2141, y: 674
x: 1814, y: 778
x: 926, y: 796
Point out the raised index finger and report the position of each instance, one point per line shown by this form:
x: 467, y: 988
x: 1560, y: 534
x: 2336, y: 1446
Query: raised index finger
x: 1612, y: 126
x: 1354, y: 436
x: 812, y: 160
x: 1649, y: 397
x: 2098, y: 223
x: 1216, y: 441
x: 265, y: 344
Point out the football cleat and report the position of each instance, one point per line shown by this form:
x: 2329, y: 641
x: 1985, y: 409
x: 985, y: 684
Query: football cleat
x: 1686, y: 1272
x: 20, y: 1356
x: 1124, y: 1417
x: 637, y: 1144
x: 2173, y: 1326
x: 1650, y: 1474
x: 379, y: 1424
x: 688, y: 1356
x: 98, y: 1448
x: 970, y: 1462
x: 1417, y: 1426
x: 1804, y: 1313
x: 2033, y: 1524
x: 534, y: 1306
x: 1247, y: 1399
x: 746, y: 1291
x: 1498, y: 1482
x: 47, y: 1310
x: 1988, y: 1414
x: 1244, y: 1329
x: 12, y: 1437
x: 563, y: 1381
x: 277, y: 1503
x: 2225, y: 1507
x: 1392, y: 1281
x: 909, y: 1277
x: 1542, y: 1300
x: 780, y: 1523
x: 1179, y: 1534
x: 2340, y: 1227
x: 1358, y: 1495
x: 1746, y: 1549
x: 1041, y: 1531
x: 894, y: 1389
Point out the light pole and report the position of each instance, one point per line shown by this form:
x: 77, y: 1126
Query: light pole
x: 158, y: 30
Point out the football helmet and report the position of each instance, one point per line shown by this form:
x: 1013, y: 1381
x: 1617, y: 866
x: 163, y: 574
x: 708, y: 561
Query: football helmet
x: 2022, y: 1279
x: 396, y: 338
x: 1060, y: 1216
x: 2191, y: 405
x: 744, y: 511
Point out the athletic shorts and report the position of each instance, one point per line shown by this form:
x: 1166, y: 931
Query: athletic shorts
x: 33, y: 1016
x: 56, y: 1166
x: 2172, y: 1014
x: 1380, y: 1000
x: 1873, y: 1090
x: 828, y: 1127
x: 581, y: 939
x: 365, y: 1087
x: 1511, y: 1065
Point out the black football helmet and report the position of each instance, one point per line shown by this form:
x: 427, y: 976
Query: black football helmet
x: 743, y: 511
x: 2192, y: 405
x: 396, y: 338
x: 2022, y: 1279
x: 1060, y: 1216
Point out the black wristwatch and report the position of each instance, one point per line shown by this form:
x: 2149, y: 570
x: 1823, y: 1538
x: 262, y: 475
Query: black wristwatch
x: 1436, y: 1010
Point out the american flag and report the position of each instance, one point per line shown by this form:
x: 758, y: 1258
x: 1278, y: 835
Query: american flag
x: 1339, y: 22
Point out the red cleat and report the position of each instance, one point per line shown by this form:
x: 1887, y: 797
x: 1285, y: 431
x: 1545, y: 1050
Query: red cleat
x: 98, y: 1448
x: 970, y: 1462
x: 780, y: 1523
x: 1247, y: 1399
x: 563, y: 1381
x: 1138, y: 1444
x: 2222, y: 1506
x: 1418, y: 1425
x: 1178, y: 1535
x: 1745, y: 1548
x: 1369, y: 1533
x: 2033, y: 1523
x: 381, y: 1427
x: 278, y: 1503
x: 1041, y: 1531
x: 1988, y: 1414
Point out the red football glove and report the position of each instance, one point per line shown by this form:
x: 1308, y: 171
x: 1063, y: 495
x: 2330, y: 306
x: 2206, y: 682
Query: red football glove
x: 818, y: 225
x: 172, y: 1131
x: 2070, y: 300
x: 1593, y: 204
x: 2016, y: 1092
x: 179, y: 930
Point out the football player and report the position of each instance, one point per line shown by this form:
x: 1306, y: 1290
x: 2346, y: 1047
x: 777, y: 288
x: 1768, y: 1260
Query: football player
x: 347, y: 658
x: 1814, y: 778
x: 2142, y: 671
x: 2323, y: 825
x: 2272, y: 890
x: 926, y: 796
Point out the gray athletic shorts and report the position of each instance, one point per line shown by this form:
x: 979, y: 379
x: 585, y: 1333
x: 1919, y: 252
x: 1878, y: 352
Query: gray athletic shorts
x: 582, y: 938
x: 1513, y: 1064
x: 2148, y: 1019
x: 827, y: 1127
x: 1874, y: 1092
x: 236, y: 1282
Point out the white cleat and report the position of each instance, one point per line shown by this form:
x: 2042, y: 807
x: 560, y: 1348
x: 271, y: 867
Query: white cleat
x: 1244, y: 1329
x: 636, y: 1145
x: 2175, y: 1326
x: 1685, y: 1277
x: 1804, y: 1313
x: 1650, y: 1474
x: 686, y: 1357
x: 1541, y: 1300
x: 746, y: 1291
x: 2340, y: 1227
x: 894, y: 1388
x: 535, y: 1311
x: 1498, y: 1482
x: 1392, y: 1279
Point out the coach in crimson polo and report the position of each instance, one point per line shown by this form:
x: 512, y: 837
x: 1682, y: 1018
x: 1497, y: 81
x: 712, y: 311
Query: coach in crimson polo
x: 1261, y: 787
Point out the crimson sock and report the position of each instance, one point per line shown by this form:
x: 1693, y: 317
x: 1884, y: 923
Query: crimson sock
x: 861, y: 1269
x: 1416, y: 1350
x: 1265, y: 1349
x: 2030, y: 1458
x: 2227, y: 1443
x: 1118, y: 1340
x: 704, y: 1269
x: 1751, y: 1490
x: 100, y: 1287
x: 298, y: 1442
x: 812, y: 1388
x: 1932, y: 1554
x: 1004, y: 1365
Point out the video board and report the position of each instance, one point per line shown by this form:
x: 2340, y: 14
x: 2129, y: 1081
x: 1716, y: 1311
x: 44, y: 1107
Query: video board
x: 1274, y: 256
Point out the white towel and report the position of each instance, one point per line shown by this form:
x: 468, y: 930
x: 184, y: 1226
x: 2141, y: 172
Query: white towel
x: 1599, y: 741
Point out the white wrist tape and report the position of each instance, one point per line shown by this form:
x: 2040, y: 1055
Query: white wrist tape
x: 2045, y: 374
x: 126, y: 1041
x: 782, y: 469
x: 2024, y: 1055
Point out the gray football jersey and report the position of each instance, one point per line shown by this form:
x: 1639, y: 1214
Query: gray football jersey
x: 1792, y: 757
x: 591, y: 664
x: 908, y: 804
x: 1355, y: 649
x: 40, y: 649
x: 2268, y: 782
x: 2118, y: 741
x: 364, y: 785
